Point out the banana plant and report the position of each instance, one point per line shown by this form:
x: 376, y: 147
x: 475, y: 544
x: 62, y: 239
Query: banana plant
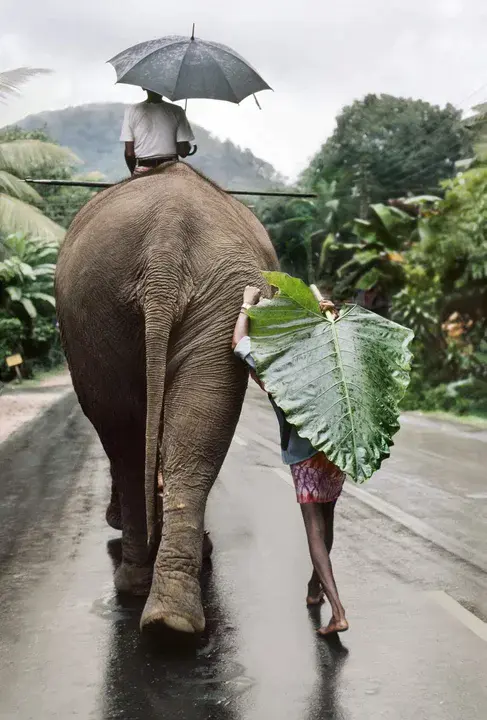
x: 27, y: 276
x: 377, y: 251
x: 338, y: 380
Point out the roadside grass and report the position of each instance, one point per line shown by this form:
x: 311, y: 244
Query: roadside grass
x: 477, y: 421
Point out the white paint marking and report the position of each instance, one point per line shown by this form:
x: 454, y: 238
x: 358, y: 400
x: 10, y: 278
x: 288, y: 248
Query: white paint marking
x: 460, y: 613
x: 417, y: 526
x: 478, y: 496
x: 240, y: 441
x: 284, y: 475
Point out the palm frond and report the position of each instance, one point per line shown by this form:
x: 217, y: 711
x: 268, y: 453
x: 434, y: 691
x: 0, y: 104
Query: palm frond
x: 11, y: 79
x: 22, y: 157
x: 43, y: 297
x: 11, y: 185
x: 17, y: 216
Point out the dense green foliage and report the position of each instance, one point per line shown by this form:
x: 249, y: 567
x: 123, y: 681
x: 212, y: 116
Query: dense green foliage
x: 420, y: 260
x: 302, y: 230
x: 385, y: 147
x: 93, y: 133
x: 27, y: 306
x: 352, y: 372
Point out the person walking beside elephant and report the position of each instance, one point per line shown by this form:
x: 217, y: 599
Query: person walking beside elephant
x: 318, y: 481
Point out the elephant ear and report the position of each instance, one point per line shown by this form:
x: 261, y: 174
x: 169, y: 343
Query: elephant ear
x: 338, y: 381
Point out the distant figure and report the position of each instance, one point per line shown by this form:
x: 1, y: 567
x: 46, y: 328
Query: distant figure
x: 154, y: 132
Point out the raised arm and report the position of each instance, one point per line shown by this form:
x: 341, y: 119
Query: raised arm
x: 251, y: 296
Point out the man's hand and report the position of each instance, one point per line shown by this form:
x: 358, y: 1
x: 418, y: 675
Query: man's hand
x: 251, y: 295
x: 328, y: 306
x: 130, y: 156
x: 183, y: 149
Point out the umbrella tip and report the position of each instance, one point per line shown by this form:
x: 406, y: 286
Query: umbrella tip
x: 192, y: 33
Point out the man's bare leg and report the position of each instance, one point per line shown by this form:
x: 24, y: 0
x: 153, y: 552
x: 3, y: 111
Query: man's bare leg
x: 316, y: 595
x: 315, y: 524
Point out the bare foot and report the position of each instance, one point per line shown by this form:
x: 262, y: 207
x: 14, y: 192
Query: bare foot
x: 334, y: 626
x: 315, y: 595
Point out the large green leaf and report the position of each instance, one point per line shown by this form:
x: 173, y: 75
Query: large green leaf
x: 29, y: 308
x: 43, y: 297
x: 338, y: 381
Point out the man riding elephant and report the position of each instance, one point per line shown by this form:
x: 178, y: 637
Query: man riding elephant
x: 148, y: 286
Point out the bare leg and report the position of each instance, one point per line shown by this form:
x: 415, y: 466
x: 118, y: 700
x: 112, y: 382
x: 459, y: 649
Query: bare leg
x: 316, y: 595
x: 315, y: 524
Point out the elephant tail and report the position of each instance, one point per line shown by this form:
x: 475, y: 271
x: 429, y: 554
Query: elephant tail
x: 157, y: 328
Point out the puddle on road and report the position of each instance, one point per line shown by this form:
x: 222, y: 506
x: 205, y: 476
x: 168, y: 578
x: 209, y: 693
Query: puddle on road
x: 110, y: 607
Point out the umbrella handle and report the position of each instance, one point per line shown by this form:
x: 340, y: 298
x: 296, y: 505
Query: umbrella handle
x: 193, y: 151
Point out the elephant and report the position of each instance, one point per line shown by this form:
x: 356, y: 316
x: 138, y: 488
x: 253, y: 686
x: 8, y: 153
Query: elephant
x: 148, y: 287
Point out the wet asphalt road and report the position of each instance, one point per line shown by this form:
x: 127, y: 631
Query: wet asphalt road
x: 417, y: 647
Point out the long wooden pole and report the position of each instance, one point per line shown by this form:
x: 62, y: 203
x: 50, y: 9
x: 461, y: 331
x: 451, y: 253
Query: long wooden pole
x: 89, y: 184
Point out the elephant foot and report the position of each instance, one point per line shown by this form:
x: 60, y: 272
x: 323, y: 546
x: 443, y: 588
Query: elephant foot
x: 133, y: 579
x: 179, y: 608
x: 114, y: 516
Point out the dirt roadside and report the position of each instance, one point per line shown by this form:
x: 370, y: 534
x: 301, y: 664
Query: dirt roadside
x: 22, y: 404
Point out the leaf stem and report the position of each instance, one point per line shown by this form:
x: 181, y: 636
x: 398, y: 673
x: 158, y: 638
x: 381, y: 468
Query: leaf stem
x: 329, y: 315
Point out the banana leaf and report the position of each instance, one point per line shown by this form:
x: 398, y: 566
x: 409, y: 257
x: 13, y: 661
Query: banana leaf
x: 338, y: 381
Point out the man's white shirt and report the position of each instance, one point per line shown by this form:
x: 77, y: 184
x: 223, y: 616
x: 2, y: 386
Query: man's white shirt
x: 155, y: 128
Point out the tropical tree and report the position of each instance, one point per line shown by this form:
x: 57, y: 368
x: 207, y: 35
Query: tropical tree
x: 385, y: 147
x: 19, y: 159
x: 59, y: 204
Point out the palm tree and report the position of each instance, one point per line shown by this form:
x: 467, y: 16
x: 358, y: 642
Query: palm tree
x: 18, y: 159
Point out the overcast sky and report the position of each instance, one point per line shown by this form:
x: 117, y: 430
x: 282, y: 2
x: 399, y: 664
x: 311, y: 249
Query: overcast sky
x: 317, y: 55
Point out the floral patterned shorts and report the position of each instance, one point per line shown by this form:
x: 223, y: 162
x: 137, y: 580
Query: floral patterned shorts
x: 317, y: 480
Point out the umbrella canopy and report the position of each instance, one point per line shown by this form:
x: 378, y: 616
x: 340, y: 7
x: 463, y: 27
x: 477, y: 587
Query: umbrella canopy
x: 180, y: 68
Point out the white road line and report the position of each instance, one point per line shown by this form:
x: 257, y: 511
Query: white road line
x: 477, y: 496
x: 240, y: 441
x: 284, y: 475
x: 419, y: 527
x: 464, y: 616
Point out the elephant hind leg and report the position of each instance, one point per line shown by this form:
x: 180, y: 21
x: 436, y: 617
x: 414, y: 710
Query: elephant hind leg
x: 113, y: 513
x: 124, y: 442
x: 201, y: 411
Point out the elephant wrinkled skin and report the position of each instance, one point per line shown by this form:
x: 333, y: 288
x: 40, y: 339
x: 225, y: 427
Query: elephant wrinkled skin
x: 148, y: 286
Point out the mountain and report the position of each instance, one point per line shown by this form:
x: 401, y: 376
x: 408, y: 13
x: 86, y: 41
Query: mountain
x: 92, y: 132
